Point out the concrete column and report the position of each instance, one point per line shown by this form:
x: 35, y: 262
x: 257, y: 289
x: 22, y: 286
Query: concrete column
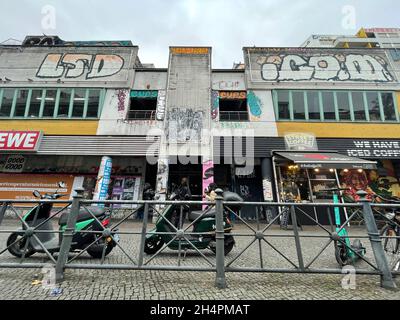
x: 162, y: 183
x: 268, y: 185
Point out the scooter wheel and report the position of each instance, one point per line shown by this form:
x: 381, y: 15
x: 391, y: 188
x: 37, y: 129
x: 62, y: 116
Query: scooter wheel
x: 152, y: 245
x: 96, y: 250
x: 228, y: 245
x: 16, y: 248
x: 341, y: 255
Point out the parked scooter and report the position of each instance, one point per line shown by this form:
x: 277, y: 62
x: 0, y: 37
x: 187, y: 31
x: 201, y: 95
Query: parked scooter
x: 205, y: 226
x: 38, y: 218
x: 351, y: 252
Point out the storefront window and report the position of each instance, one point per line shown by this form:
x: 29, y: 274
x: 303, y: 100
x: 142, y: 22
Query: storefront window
x: 93, y: 104
x: 79, y: 103
x: 20, y: 105
x: 65, y: 100
x: 388, y: 106
x: 6, y: 103
x: 49, y: 103
x: 335, y: 105
x: 373, y: 106
x: 343, y: 105
x: 313, y: 105
x: 298, y: 105
x: 328, y: 105
x: 35, y: 103
x: 283, y: 105
x: 358, y: 106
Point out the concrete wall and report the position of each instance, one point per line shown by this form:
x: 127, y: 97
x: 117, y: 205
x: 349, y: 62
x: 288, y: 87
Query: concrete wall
x: 67, y: 66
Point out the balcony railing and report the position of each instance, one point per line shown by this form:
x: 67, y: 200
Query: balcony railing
x: 141, y: 115
x: 233, y: 116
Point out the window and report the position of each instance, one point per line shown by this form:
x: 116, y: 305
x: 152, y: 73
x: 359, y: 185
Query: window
x: 304, y: 105
x: 298, y: 105
x: 373, y: 106
x: 6, y: 103
x: 65, y: 101
x: 314, y: 112
x: 388, y: 106
x: 328, y: 102
x: 49, y: 103
x: 283, y: 105
x: 233, y: 106
x: 343, y: 105
x: 143, y: 105
x: 20, y: 105
x: 93, y: 104
x: 79, y: 103
x: 358, y: 106
x: 35, y: 103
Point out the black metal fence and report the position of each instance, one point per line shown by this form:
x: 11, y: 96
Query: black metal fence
x: 260, y: 246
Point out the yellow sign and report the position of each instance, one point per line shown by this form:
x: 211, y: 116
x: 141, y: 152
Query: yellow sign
x: 189, y: 50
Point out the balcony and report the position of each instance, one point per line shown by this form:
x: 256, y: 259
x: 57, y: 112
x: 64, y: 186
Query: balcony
x: 233, y: 116
x: 141, y: 115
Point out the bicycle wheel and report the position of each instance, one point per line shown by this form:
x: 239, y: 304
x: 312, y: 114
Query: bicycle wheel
x: 390, y: 245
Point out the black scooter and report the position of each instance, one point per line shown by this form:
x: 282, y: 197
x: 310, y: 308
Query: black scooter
x: 38, y: 218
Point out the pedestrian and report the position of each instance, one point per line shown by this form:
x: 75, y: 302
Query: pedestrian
x: 148, y: 194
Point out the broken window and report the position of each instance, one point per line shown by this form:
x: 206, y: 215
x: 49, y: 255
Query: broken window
x: 143, y: 105
x: 233, y: 106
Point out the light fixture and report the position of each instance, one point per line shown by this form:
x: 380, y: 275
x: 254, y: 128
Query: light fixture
x: 346, y: 170
x: 316, y: 170
x: 331, y: 170
x: 360, y: 170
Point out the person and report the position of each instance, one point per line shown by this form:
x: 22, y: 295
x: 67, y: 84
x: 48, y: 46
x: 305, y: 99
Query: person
x: 148, y: 194
x: 210, y: 193
x: 184, y: 190
x: 183, y: 194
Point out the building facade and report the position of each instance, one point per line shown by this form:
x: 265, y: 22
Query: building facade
x: 92, y: 107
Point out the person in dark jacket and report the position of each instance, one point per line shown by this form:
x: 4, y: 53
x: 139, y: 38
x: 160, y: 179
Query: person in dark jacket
x: 148, y: 194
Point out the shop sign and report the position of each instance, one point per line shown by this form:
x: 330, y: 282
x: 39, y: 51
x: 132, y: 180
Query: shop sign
x: 14, y: 163
x: 20, y: 140
x: 300, y: 141
x: 380, y: 149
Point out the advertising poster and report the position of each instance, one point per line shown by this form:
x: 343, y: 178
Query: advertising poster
x: 21, y: 186
x: 126, y: 188
x: 103, y: 180
x: 208, y: 176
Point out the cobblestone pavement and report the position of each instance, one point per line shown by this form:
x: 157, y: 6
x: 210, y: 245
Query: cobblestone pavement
x: 161, y: 285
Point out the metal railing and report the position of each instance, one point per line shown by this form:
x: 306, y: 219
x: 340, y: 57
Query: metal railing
x: 233, y: 116
x: 290, y: 255
x: 141, y: 115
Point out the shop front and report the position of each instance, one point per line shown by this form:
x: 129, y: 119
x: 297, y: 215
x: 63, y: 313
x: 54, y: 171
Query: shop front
x: 79, y: 162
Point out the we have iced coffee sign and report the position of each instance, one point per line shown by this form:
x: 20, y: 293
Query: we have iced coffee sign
x: 381, y: 149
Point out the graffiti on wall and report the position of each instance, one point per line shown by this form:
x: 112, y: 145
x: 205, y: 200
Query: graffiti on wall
x: 185, y: 125
x: 226, y: 85
x: 161, y: 103
x: 145, y: 94
x: 71, y: 66
x: 121, y: 96
x: 214, y: 105
x: 309, y: 65
x: 255, y: 106
x: 208, y: 176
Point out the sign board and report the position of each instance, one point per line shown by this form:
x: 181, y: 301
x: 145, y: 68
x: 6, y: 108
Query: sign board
x: 14, y: 163
x: 21, y: 186
x: 20, y: 140
x: 300, y: 141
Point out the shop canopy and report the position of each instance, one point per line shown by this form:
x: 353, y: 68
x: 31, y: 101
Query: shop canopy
x: 327, y: 160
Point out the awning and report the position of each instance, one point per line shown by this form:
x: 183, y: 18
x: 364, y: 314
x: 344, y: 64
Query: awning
x: 328, y: 160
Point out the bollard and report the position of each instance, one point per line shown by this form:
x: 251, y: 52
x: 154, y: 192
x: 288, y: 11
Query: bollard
x: 376, y: 243
x: 68, y: 235
x: 220, y: 280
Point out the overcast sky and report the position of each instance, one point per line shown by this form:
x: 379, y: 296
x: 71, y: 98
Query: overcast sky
x: 225, y: 25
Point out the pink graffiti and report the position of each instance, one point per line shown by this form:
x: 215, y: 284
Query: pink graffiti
x: 121, y: 94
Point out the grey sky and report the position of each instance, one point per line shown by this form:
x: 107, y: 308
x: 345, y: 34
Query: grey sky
x: 225, y: 25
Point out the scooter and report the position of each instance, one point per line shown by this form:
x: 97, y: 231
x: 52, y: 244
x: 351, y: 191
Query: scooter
x: 39, y: 218
x: 205, y: 226
x: 343, y: 254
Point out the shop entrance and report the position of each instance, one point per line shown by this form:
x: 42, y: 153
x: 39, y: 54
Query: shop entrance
x: 193, y: 172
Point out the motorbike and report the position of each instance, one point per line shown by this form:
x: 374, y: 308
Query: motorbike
x: 39, y: 218
x: 204, y: 225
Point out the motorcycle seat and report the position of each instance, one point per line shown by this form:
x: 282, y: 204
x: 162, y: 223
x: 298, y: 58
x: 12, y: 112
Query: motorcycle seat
x: 196, y: 214
x: 83, y: 214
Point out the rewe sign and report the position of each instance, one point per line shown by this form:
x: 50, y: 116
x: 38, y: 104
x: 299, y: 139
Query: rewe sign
x: 20, y: 140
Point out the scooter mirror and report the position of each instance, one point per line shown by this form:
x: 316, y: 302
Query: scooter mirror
x: 61, y: 184
x: 36, y: 194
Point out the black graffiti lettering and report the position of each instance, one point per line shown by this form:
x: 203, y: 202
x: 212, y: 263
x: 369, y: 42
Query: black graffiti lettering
x: 77, y: 65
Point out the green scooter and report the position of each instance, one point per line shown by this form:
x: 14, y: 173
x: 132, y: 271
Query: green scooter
x: 343, y: 254
x: 204, y: 225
